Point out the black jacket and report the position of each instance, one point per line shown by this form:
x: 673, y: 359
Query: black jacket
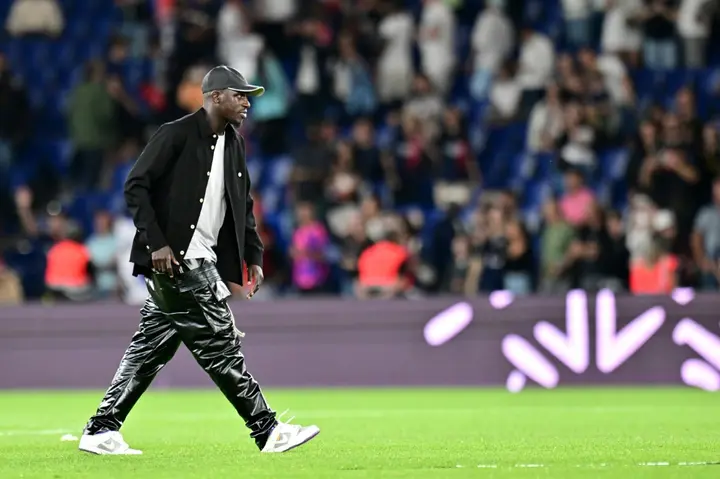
x: 165, y: 189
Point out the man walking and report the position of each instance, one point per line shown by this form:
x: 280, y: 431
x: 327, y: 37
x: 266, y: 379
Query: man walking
x: 189, y: 195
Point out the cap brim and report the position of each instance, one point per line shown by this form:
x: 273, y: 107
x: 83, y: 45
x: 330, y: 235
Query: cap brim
x: 252, y: 90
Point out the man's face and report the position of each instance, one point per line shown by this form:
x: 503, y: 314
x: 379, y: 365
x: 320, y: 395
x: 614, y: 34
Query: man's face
x: 233, y: 106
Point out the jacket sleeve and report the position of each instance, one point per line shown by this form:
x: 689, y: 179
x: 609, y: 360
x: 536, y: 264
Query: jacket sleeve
x: 150, y: 166
x: 253, y: 244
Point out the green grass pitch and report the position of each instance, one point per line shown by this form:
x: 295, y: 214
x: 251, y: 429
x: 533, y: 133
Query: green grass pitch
x: 379, y: 433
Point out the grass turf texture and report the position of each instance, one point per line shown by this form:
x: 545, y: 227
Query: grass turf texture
x: 408, y: 433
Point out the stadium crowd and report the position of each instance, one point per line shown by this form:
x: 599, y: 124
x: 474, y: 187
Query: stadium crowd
x: 374, y: 150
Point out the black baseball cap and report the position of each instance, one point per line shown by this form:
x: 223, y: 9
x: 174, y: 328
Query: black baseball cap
x: 227, y: 78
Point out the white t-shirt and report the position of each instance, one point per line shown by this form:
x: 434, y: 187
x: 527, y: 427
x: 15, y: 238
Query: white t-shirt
x: 493, y: 38
x: 275, y: 10
x: 616, y: 34
x: 537, y: 62
x: 688, y: 23
x: 576, y: 9
x: 505, y: 97
x: 214, y: 206
x: 437, y: 31
x: 397, y: 30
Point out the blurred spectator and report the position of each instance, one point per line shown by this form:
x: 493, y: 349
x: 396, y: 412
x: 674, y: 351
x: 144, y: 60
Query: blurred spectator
x: 311, y: 167
x: 578, y: 26
x: 489, y: 252
x: 383, y: 269
x: 270, y: 110
x: 343, y: 184
x: 592, y: 251
x: 410, y: 161
x: 132, y: 289
x: 670, y: 179
x: 15, y: 117
x: 270, y: 18
x: 576, y: 145
x: 546, y: 121
x: 493, y: 40
x: 426, y: 105
x: 556, y: 238
x: 706, y: 241
x: 655, y: 272
x: 365, y: 152
x: 455, y: 280
x: 136, y: 25
x: 436, y: 42
x: 11, y: 290
x: 448, y: 258
x: 455, y: 162
x: 535, y: 67
x: 659, y: 49
x: 646, y: 144
x: 519, y: 262
x: 352, y: 81
x: 127, y: 112
x: 456, y: 172
x: 395, y: 65
x: 313, y: 79
x: 694, y: 21
x: 101, y: 246
x: 274, y: 261
x: 622, y: 33
x: 310, y: 242
x: 194, y: 42
x: 618, y: 254
x: 708, y: 162
x: 68, y: 275
x: 578, y: 200
x: 35, y: 17
x: 505, y: 95
x: 189, y: 91
x: 93, y: 126
x: 352, y: 246
x: 372, y: 217
x: 237, y: 46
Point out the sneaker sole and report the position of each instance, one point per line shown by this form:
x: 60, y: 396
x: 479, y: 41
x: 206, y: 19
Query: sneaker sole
x: 100, y: 452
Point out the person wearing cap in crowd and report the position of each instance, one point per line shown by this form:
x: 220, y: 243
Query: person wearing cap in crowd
x: 189, y: 196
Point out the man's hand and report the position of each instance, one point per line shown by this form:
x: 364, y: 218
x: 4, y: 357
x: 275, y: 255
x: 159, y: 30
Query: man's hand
x: 255, y: 274
x: 163, y: 260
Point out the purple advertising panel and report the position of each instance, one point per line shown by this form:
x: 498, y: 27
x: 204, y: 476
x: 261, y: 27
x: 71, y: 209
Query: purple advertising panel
x: 497, y: 340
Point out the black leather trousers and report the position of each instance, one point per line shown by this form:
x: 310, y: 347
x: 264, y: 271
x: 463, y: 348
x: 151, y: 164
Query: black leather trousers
x: 190, y: 308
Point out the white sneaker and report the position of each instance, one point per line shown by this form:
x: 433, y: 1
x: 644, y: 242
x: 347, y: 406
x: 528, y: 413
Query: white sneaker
x: 287, y: 436
x: 106, y: 443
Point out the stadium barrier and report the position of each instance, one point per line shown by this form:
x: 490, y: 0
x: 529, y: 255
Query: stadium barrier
x: 496, y: 340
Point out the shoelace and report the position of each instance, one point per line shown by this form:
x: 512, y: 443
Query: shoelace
x: 279, y: 418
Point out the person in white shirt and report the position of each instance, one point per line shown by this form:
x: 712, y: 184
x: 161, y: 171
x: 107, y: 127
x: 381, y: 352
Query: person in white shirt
x: 546, y: 121
x: 437, y: 43
x: 493, y: 40
x: 620, y: 36
x: 27, y: 17
x: 535, y: 66
x: 577, y: 15
x: 271, y: 17
x: 693, y: 24
x: 237, y: 46
x: 505, y: 95
x: 395, y: 65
